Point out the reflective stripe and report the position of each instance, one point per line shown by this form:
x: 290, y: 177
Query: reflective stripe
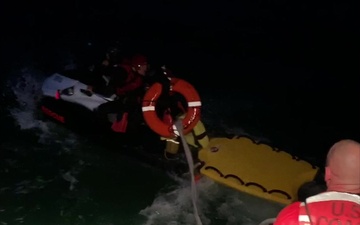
x: 176, y: 132
x: 334, y: 196
x: 304, y: 218
x: 148, y: 108
x: 324, y: 200
x: 194, y: 104
x: 173, y: 141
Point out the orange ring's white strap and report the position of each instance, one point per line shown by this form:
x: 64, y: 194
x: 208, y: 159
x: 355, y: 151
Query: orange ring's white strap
x: 194, y: 104
x: 148, y: 108
x: 176, y: 132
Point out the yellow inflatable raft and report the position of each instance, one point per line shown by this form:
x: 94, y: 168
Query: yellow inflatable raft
x: 255, y: 168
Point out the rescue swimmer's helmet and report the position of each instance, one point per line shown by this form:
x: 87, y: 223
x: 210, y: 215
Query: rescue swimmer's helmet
x: 139, y: 63
x: 138, y: 60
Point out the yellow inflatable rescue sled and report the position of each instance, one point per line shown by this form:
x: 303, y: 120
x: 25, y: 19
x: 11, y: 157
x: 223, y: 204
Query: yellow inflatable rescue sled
x: 255, y: 168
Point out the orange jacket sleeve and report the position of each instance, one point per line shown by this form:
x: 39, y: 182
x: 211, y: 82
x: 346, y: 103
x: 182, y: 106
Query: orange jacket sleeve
x: 289, y: 215
x: 130, y: 86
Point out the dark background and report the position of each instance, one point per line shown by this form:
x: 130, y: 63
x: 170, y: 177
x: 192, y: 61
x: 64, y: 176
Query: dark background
x: 300, y: 57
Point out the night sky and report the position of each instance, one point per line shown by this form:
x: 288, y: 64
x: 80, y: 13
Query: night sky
x: 314, y: 34
x: 321, y: 33
x: 305, y: 53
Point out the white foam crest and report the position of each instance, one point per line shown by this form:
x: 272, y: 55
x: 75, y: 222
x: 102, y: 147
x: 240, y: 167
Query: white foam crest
x: 175, y: 207
x: 27, y: 90
x: 216, y: 203
x: 71, y: 179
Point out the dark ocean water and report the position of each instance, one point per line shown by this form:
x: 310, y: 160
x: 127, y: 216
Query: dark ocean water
x: 287, y: 74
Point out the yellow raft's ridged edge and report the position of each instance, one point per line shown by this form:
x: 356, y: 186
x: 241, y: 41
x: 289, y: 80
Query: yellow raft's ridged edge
x: 239, y: 184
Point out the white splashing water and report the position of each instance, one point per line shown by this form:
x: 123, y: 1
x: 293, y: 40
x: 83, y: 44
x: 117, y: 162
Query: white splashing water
x: 175, y: 206
x: 217, y: 205
x: 27, y: 90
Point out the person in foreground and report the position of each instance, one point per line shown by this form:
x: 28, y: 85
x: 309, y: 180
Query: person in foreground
x: 340, y: 203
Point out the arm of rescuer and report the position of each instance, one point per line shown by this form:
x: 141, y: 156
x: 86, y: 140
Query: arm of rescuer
x: 132, y: 83
x: 289, y: 215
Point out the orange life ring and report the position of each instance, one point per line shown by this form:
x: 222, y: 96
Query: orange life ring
x: 192, y: 114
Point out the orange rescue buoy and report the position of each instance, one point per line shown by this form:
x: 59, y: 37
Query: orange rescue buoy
x: 192, y: 115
